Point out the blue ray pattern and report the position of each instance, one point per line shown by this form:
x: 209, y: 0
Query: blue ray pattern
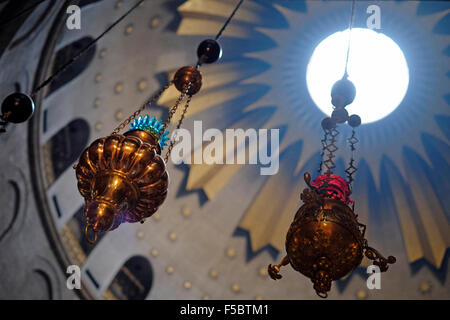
x: 152, y: 126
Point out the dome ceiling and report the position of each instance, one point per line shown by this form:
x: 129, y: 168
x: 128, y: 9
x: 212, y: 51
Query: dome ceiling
x: 403, y: 180
x: 221, y: 225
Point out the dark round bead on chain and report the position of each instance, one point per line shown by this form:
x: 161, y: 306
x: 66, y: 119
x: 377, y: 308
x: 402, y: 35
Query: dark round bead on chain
x: 354, y: 120
x: 340, y: 115
x: 209, y: 51
x: 343, y: 93
x: 17, y: 107
x: 328, y: 124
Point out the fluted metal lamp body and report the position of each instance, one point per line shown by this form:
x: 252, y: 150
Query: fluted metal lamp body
x: 122, y: 178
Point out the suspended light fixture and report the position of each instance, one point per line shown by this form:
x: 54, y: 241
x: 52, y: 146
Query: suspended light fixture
x: 325, y: 242
x: 123, y: 177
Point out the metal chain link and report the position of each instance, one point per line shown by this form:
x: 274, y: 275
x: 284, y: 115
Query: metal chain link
x: 180, y: 99
x: 219, y: 34
x: 331, y: 148
x: 144, y: 106
x: 352, y: 16
x: 324, y: 143
x: 351, y: 169
x: 172, y: 141
x: 175, y: 107
x: 64, y: 67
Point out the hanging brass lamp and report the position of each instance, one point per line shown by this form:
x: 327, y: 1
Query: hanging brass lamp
x: 123, y: 177
x: 325, y: 242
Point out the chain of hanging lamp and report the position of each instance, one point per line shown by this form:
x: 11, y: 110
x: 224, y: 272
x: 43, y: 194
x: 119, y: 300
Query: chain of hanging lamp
x: 185, y: 93
x: 351, y: 169
x: 103, y: 206
x: 174, y: 138
x: 186, y: 106
x: 330, y: 147
x: 331, y: 132
x: 352, y: 17
x: 322, y: 153
x: 19, y: 107
x: 148, y: 103
x: 154, y: 98
x: 80, y: 53
x: 326, y: 226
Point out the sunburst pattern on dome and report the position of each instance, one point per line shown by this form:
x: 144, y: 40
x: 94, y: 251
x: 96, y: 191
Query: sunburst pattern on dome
x: 403, y: 158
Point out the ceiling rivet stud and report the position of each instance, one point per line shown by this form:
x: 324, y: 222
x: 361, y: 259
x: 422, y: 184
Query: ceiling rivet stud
x: 98, y: 126
x: 102, y: 53
x: 169, y: 269
x: 231, y: 253
x: 119, y: 115
x: 213, y: 273
x: 172, y: 236
x: 129, y: 29
x: 361, y: 294
x: 98, y: 77
x: 118, y: 88
x: 142, y: 85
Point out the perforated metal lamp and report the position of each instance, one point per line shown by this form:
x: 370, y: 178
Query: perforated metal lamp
x: 325, y: 242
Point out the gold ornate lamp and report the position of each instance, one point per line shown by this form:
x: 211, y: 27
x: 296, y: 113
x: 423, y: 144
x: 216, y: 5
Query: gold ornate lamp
x: 123, y: 178
x: 325, y: 242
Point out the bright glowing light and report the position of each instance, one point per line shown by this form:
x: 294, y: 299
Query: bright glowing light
x: 377, y: 68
